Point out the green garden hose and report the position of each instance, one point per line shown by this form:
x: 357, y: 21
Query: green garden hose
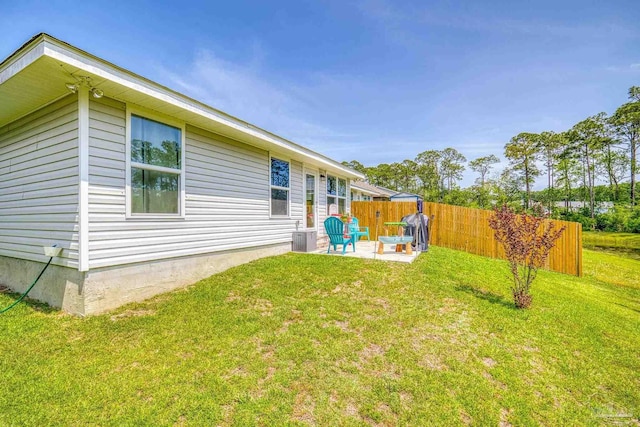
x: 28, y: 290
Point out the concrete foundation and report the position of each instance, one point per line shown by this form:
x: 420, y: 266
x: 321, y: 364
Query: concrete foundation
x: 323, y: 242
x: 59, y: 286
x: 103, y: 289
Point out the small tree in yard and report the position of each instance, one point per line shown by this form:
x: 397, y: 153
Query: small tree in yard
x: 527, y: 242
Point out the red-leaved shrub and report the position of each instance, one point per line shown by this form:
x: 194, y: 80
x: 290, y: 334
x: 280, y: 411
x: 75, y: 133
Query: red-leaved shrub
x: 527, y: 241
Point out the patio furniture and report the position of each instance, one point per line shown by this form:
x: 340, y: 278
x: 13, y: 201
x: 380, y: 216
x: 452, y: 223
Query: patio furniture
x: 399, y: 240
x: 399, y: 224
x: 395, y: 240
x: 356, y: 231
x: 337, y: 235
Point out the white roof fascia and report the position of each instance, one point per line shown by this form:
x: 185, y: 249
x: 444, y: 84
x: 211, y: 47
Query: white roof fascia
x: 20, y: 60
x: 363, y: 190
x: 49, y: 46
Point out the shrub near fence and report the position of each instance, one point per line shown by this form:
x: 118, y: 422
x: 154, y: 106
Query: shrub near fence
x: 468, y: 230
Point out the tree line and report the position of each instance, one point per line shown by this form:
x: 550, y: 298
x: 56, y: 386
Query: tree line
x: 593, y: 161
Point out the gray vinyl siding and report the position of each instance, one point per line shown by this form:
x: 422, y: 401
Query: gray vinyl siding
x: 227, y: 197
x: 39, y: 183
x: 297, y: 198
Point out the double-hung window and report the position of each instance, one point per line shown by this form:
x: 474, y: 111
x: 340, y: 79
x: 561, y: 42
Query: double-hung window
x: 280, y: 186
x: 156, y: 162
x: 337, y: 193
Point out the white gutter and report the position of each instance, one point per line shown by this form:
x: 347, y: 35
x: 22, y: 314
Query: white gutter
x: 20, y: 60
x: 362, y: 190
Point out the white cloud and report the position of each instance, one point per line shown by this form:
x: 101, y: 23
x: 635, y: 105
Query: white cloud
x: 628, y: 69
x: 243, y: 91
x: 403, y: 24
x: 234, y: 88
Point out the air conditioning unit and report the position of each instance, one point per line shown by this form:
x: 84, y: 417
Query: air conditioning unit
x: 305, y: 241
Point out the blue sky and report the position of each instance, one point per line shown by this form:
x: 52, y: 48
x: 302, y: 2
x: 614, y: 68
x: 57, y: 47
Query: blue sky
x: 372, y: 80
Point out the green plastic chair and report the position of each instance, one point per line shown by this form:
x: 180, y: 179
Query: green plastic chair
x: 356, y: 231
x: 335, y: 230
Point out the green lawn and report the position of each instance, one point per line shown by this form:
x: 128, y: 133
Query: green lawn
x: 316, y: 340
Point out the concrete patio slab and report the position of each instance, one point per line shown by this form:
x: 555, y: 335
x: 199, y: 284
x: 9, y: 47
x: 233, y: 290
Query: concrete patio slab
x: 367, y: 250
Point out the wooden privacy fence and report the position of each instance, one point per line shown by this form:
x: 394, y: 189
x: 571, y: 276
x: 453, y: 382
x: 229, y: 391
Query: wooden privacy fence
x: 468, y: 230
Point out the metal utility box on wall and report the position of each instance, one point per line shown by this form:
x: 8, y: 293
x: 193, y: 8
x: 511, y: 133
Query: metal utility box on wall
x: 305, y: 241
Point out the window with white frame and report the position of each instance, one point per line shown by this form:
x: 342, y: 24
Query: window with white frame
x: 280, y: 185
x: 337, y: 193
x: 156, y: 167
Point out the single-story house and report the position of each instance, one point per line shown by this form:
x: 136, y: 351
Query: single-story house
x: 405, y: 197
x: 143, y: 188
x: 363, y: 191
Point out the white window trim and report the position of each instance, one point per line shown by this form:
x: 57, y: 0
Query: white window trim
x: 288, y: 160
x: 347, y: 202
x: 137, y: 111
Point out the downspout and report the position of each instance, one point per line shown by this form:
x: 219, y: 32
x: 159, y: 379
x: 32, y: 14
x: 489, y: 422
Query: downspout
x: 83, y: 174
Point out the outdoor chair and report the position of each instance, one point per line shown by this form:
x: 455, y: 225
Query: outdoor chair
x: 356, y: 231
x: 337, y: 236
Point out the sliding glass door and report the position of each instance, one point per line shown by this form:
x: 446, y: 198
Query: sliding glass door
x: 311, y: 200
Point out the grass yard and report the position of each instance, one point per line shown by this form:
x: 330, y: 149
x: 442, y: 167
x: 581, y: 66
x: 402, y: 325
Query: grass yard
x: 317, y: 340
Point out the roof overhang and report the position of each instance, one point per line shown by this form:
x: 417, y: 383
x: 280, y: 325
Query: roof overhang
x: 374, y: 190
x: 364, y: 190
x: 36, y: 74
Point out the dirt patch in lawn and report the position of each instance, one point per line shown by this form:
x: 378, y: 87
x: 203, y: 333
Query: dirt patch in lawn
x: 132, y: 313
x: 303, y: 408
